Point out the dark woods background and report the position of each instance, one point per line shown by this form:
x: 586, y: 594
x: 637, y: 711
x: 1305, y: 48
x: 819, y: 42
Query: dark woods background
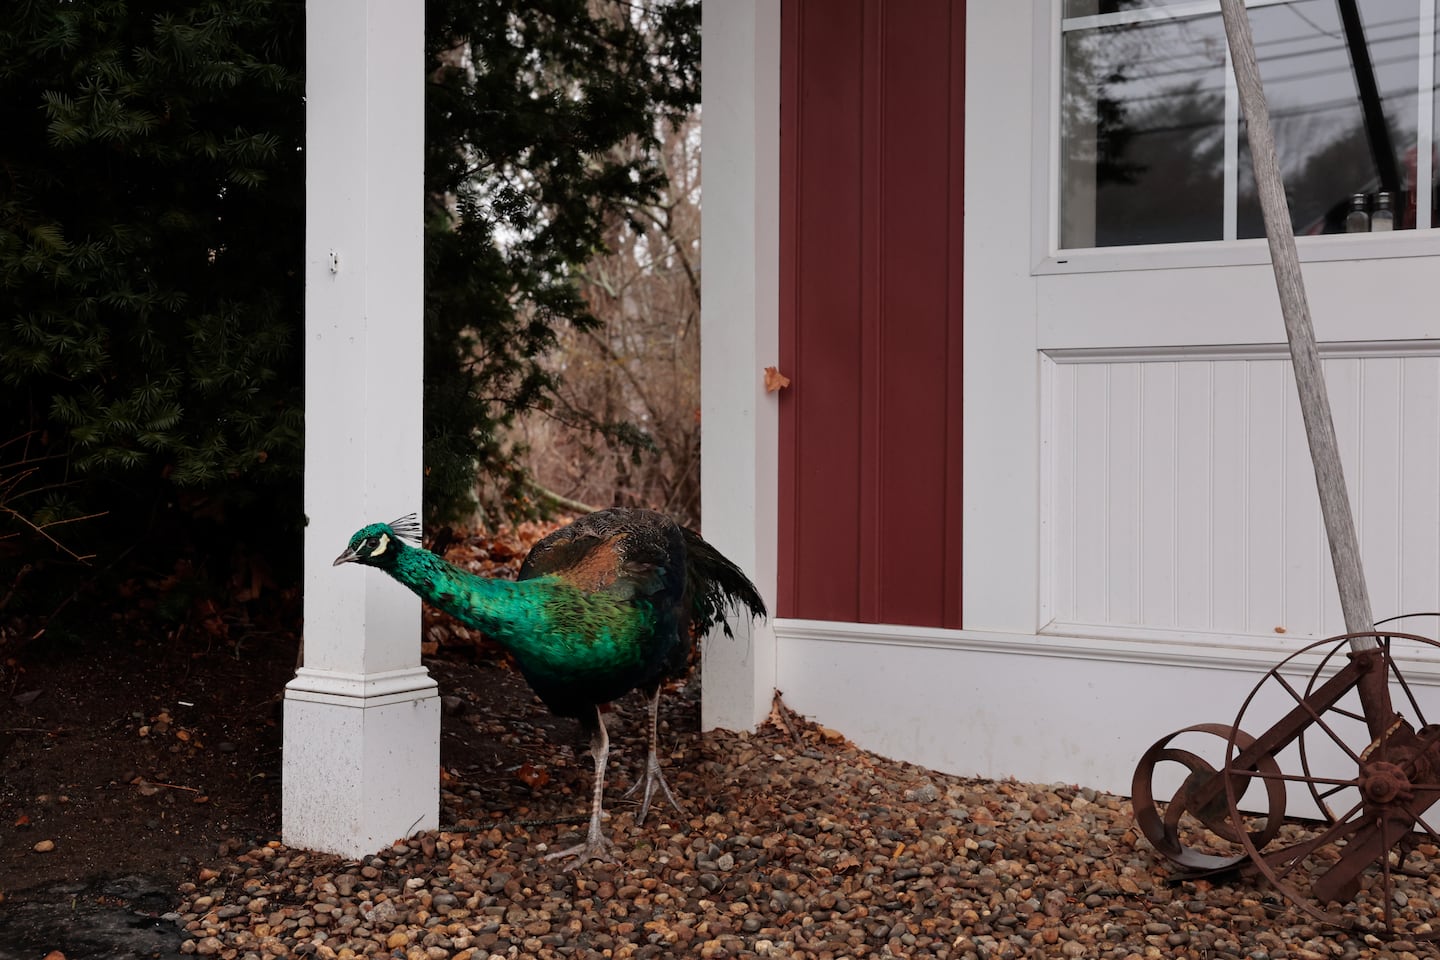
x: 151, y: 285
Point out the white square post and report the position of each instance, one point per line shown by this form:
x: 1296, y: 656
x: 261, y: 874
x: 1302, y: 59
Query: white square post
x: 362, y: 718
x: 739, y: 329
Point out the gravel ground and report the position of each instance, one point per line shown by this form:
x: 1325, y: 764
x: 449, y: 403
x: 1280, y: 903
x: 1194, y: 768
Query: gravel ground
x: 794, y: 843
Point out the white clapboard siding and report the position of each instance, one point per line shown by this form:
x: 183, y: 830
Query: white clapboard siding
x: 1178, y: 493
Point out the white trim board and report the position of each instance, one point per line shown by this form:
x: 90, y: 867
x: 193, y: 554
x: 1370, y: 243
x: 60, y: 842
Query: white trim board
x: 1353, y: 349
x: 1165, y: 648
x: 1039, y: 708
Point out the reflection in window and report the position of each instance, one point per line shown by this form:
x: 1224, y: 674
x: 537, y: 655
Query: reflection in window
x: 1153, y: 148
x: 1143, y: 133
x: 1087, y: 8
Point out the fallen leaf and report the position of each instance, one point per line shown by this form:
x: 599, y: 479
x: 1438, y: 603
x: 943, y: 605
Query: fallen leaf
x: 532, y: 776
x: 775, y: 380
x: 23, y: 820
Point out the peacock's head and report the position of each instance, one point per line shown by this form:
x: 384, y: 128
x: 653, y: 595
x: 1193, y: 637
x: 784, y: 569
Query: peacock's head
x: 379, y: 543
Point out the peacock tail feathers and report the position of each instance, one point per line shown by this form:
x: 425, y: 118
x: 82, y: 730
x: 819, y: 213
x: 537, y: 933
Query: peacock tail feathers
x: 717, y: 586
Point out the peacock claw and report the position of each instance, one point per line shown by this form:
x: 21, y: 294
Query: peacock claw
x: 593, y: 847
x: 653, y: 777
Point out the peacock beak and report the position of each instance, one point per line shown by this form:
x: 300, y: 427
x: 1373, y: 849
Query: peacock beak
x: 345, y: 557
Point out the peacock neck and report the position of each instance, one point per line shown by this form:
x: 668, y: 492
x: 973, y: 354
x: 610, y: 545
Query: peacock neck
x: 509, y: 612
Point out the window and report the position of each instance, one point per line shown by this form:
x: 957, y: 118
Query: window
x: 1152, y: 147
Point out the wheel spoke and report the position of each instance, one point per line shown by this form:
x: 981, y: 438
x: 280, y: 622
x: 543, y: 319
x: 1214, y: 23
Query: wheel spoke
x: 1340, y: 829
x: 1315, y: 716
x: 1394, y: 670
x: 1323, y: 795
x: 1336, y: 782
x: 1385, y: 875
x: 1419, y: 817
x: 1348, y: 713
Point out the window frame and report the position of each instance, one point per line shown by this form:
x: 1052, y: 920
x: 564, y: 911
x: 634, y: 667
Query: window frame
x: 1049, y: 258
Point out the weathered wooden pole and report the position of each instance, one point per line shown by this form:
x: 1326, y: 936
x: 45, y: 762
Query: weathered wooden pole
x: 1309, y: 378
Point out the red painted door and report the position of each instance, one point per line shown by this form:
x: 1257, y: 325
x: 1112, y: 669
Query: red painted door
x: 872, y: 109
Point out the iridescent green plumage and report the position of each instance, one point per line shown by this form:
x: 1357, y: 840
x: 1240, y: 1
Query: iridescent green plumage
x: 603, y: 606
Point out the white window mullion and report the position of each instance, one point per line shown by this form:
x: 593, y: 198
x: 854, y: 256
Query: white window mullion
x: 1230, y: 227
x: 1057, y: 184
x: 1425, y: 126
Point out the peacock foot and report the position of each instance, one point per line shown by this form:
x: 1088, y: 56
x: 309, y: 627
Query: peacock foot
x: 595, y: 846
x: 652, y: 778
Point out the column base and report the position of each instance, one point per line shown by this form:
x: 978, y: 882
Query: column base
x: 362, y: 760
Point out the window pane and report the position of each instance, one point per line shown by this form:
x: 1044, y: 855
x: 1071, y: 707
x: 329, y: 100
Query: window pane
x: 1142, y: 133
x: 1327, y: 152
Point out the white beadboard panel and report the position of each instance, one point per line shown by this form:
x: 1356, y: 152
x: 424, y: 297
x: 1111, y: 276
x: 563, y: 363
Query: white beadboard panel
x: 1088, y: 502
x: 1226, y: 512
x: 1157, y: 517
x: 1193, y: 554
x: 1264, y: 523
x: 1122, y: 492
x: 1420, y: 458
x: 1381, y: 469
x: 1179, y: 494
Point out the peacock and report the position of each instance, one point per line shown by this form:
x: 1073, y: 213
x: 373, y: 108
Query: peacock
x: 608, y: 604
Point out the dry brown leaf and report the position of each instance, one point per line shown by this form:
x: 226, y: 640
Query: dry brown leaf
x: 532, y: 776
x: 775, y: 380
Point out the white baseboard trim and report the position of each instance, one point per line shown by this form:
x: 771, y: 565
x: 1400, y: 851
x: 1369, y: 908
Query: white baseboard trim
x: 1167, y: 648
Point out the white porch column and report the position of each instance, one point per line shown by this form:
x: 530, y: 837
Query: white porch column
x: 362, y: 719
x: 739, y: 331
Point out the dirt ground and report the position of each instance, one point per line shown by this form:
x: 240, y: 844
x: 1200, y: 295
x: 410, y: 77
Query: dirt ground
x: 125, y: 767
x: 147, y: 750
x: 125, y: 760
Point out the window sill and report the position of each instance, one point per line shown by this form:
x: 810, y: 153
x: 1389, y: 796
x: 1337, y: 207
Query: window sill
x: 1224, y: 253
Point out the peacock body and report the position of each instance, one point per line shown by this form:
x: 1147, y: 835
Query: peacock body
x: 603, y: 606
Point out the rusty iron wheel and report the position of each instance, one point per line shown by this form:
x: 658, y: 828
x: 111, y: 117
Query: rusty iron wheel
x: 1195, y: 828
x: 1369, y: 761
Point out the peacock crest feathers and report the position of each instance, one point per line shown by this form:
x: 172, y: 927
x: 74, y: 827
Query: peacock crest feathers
x: 407, y: 528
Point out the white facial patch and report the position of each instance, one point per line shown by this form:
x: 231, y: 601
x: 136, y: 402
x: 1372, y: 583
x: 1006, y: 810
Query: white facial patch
x: 384, y: 542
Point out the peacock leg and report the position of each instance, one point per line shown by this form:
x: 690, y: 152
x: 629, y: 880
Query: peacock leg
x: 653, y: 776
x: 596, y: 845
